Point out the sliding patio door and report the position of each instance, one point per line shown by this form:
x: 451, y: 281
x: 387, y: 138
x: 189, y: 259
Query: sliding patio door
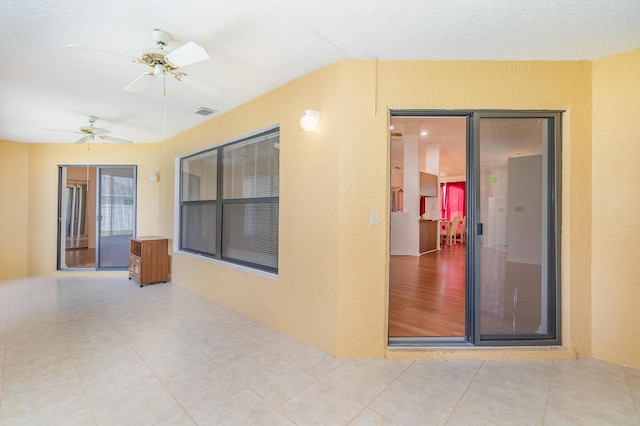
x: 515, y: 249
x: 512, y: 247
x: 116, y: 219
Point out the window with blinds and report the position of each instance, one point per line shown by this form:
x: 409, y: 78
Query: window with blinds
x: 229, y: 198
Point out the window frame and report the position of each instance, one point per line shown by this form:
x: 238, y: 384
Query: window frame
x: 271, y: 133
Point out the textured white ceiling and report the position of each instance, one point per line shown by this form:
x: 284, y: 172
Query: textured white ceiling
x: 256, y: 46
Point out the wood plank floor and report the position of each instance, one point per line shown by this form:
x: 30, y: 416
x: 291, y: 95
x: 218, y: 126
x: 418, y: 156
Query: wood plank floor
x: 427, y: 294
x: 80, y: 258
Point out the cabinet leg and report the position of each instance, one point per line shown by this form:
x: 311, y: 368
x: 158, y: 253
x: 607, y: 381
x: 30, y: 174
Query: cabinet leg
x: 141, y: 285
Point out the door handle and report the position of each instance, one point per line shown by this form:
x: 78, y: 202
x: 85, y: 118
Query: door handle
x: 479, y: 229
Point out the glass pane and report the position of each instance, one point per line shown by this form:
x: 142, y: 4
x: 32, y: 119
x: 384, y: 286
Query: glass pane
x: 117, y: 216
x: 250, y: 233
x: 513, y: 211
x: 200, y: 177
x: 198, y: 229
x: 252, y: 168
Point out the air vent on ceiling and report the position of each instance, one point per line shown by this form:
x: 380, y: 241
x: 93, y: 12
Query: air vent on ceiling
x: 205, y: 111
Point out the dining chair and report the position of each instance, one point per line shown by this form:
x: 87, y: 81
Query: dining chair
x: 460, y: 234
x: 453, y: 229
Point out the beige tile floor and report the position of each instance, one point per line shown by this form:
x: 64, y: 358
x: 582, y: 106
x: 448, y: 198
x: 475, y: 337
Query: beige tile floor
x: 102, y: 351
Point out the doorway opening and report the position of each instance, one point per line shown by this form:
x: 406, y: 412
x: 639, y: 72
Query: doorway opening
x: 78, y: 218
x: 96, y: 216
x: 427, y: 295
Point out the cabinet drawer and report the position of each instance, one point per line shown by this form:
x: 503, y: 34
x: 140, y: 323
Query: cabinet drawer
x: 134, y: 265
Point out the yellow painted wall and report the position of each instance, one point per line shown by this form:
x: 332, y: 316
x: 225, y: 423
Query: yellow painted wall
x: 331, y: 290
x: 14, y: 209
x: 332, y: 286
x: 616, y: 208
x: 302, y: 300
x: 43, y: 162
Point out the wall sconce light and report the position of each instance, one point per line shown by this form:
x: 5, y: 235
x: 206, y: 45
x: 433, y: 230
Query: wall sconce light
x: 310, y: 120
x: 153, y: 177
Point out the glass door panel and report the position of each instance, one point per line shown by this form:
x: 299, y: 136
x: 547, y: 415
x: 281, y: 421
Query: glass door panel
x: 116, y: 215
x: 516, y: 226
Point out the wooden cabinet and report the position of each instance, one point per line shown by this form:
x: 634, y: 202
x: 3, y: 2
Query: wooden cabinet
x: 428, y: 185
x: 149, y: 260
x: 428, y: 235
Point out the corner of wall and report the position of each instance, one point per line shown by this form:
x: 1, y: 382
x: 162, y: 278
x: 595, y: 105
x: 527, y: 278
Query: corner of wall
x: 14, y: 209
x: 615, y: 291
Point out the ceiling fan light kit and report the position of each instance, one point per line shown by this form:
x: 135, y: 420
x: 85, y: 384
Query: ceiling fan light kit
x: 158, y: 70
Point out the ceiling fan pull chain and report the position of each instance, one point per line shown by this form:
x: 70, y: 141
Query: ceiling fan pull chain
x: 164, y: 118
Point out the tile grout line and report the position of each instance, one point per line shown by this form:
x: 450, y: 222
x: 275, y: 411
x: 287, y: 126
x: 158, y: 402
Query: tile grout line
x: 4, y: 352
x: 73, y: 361
x: 636, y: 406
x: 455, y: 407
x: 546, y: 400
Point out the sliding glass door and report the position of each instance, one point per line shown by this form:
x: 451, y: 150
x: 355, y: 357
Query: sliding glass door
x: 515, y: 249
x: 116, y: 215
x: 508, y: 255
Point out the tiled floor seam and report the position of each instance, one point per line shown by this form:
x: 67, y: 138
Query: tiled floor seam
x: 455, y: 407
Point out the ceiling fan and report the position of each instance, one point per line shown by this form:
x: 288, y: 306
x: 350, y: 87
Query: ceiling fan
x: 163, y: 62
x: 92, y: 133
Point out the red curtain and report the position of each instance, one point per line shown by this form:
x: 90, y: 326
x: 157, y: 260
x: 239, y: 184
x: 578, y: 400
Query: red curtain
x: 453, y: 200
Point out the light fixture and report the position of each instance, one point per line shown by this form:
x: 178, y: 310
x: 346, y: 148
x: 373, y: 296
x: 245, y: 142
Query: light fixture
x: 424, y: 133
x: 153, y: 177
x: 158, y: 69
x: 310, y: 120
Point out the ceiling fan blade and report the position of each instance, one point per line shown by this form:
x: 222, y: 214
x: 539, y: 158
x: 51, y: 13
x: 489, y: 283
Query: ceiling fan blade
x: 99, y: 131
x: 103, y: 52
x: 64, y: 131
x: 201, y: 86
x: 83, y: 139
x: 187, y: 54
x: 141, y: 83
x: 112, y: 139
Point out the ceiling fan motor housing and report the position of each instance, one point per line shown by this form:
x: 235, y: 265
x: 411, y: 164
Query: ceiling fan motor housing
x: 160, y: 37
x: 154, y: 57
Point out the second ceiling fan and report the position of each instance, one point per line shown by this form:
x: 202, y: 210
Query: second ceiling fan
x: 92, y: 133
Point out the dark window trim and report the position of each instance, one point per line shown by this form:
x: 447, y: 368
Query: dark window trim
x: 220, y: 201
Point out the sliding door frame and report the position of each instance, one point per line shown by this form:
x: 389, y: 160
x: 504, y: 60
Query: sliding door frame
x: 553, y: 168
x: 62, y: 181
x: 100, y: 219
